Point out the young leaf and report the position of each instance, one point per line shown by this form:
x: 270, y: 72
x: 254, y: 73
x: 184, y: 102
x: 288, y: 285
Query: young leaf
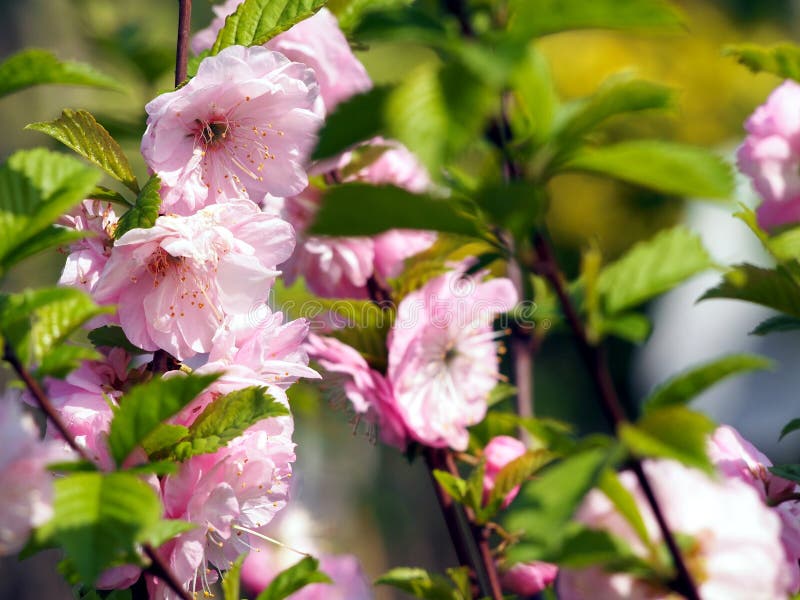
x: 36, y: 188
x: 670, y: 432
x: 258, y: 21
x: 145, y: 211
x: 545, y: 506
x: 683, y: 388
x: 63, y: 359
x: 773, y: 288
x: 112, y: 336
x: 162, y: 531
x: 80, y: 131
x: 776, y: 324
x: 534, y: 89
x: 455, y: 487
x: 100, y: 517
x: 474, y: 496
x: 225, y: 419
x: 790, y: 472
x: 632, y: 327
x: 662, y: 166
x: 36, y: 67
x: 624, y: 502
x: 143, y: 409
x: 419, y: 583
x: 790, y: 427
x: 517, y: 472
x: 652, y: 267
x: 517, y: 206
x: 162, y: 438
x: 231, y: 582
x: 533, y: 18
x: 355, y: 120
x: 294, y: 578
x: 342, y: 212
x: 782, y: 60
x: 51, y: 237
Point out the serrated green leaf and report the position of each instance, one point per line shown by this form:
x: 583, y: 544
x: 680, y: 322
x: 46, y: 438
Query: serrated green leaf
x: 782, y: 60
x: 652, y: 267
x: 545, y: 505
x: 683, y: 388
x: 517, y: 472
x: 36, y: 67
x: 145, y: 406
x: 99, y: 518
x: 163, y: 437
x: 670, y: 432
x: 533, y: 18
x: 51, y: 237
x: 62, y: 360
x: 662, y: 166
x: 160, y: 532
x: 419, y: 583
x: 455, y: 487
x: 112, y: 336
x: 355, y: 120
x: 103, y: 193
x: 154, y: 468
x: 231, y: 582
x: 36, y: 188
x: 342, y: 212
x: 78, y: 130
x: 790, y: 472
x: 294, y: 578
x: 255, y: 22
x: 145, y: 211
x: 617, y: 95
x: 226, y: 418
x: 773, y: 288
x: 790, y: 427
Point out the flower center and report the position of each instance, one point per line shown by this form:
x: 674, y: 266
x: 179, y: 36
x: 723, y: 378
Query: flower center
x: 213, y: 132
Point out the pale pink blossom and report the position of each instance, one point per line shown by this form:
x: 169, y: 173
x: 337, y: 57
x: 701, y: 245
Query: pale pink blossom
x: 500, y: 451
x: 527, y: 579
x: 736, y: 550
x: 368, y: 390
x: 737, y: 458
x: 316, y: 42
x: 241, y: 128
x: 443, y: 355
x: 26, y: 486
x: 177, y: 282
x: 87, y: 257
x: 770, y: 156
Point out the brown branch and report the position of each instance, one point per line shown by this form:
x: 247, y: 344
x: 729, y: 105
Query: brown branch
x: 182, y: 51
x: 160, y: 569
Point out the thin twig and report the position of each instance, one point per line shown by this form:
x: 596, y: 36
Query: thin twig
x: 182, y: 52
x: 160, y: 569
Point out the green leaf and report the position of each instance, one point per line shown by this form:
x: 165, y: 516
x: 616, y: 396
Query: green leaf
x: 515, y: 473
x: 790, y: 472
x: 36, y: 188
x: 163, y: 437
x: 455, y: 487
x: 545, y: 505
x: 624, y: 502
x: 145, y: 406
x: 100, y: 517
x: 112, y: 336
x: 36, y: 322
x: 533, y: 18
x: 51, y: 237
x: 227, y: 418
x: 231, y: 582
x: 350, y: 12
x: 518, y: 206
x: 632, y: 327
x: 652, y: 267
x: 80, y: 131
x: 662, y: 166
x: 419, y: 583
x: 460, y: 577
x: 64, y: 359
x: 342, y: 212
x: 773, y: 288
x: 258, y: 21
x: 683, y: 388
x: 144, y: 212
x: 355, y: 120
x: 36, y: 67
x: 474, y: 495
x: 617, y: 95
x: 294, y: 578
x: 790, y: 427
x: 534, y: 89
x: 670, y: 432
x: 782, y: 60
x: 162, y: 531
x: 776, y: 324
x: 103, y: 193
x: 501, y: 391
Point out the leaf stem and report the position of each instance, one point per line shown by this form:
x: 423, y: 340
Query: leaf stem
x: 182, y: 51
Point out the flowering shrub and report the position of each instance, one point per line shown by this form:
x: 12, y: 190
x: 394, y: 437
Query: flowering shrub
x: 410, y: 220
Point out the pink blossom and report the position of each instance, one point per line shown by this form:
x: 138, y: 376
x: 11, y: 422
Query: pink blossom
x: 527, y: 579
x: 736, y: 551
x: 87, y: 257
x: 737, y: 458
x: 369, y: 392
x: 26, y: 486
x: 177, y: 282
x: 316, y: 42
x: 242, y: 127
x: 443, y: 355
x: 770, y: 156
x: 500, y: 451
